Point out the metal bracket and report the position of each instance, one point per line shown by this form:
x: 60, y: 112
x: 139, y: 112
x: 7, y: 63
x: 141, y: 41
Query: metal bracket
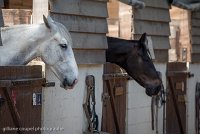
x: 105, y: 98
x: 49, y: 84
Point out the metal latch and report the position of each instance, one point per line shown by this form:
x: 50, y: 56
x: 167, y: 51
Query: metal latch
x: 49, y: 84
x: 105, y: 98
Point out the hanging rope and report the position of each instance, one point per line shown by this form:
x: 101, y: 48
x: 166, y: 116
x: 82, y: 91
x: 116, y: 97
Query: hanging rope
x: 197, y: 107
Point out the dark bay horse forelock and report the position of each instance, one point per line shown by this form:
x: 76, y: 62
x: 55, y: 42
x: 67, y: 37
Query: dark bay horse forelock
x: 134, y: 57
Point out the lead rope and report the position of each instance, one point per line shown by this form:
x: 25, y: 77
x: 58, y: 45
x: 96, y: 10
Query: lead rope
x: 89, y: 106
x: 197, y: 107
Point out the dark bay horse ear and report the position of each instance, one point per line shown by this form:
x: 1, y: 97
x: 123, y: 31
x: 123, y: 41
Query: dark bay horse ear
x: 46, y: 22
x: 143, y: 38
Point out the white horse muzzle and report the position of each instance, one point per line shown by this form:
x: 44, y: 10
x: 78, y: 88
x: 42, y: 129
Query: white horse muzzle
x: 68, y: 85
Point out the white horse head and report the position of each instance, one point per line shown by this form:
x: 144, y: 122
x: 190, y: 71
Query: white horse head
x: 51, y: 41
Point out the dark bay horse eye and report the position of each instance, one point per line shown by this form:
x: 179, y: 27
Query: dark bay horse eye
x: 63, y: 46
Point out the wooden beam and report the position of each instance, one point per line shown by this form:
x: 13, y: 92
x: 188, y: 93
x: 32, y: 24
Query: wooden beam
x: 40, y: 8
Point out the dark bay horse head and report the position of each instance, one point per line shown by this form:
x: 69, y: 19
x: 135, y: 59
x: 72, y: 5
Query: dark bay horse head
x: 134, y: 57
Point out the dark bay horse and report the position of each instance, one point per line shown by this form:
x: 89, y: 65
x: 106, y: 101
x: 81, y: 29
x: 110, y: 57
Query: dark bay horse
x: 134, y: 57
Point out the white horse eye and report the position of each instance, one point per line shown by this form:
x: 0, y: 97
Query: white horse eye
x: 63, y: 46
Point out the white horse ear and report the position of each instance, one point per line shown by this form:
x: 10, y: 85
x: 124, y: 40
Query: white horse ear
x: 46, y: 22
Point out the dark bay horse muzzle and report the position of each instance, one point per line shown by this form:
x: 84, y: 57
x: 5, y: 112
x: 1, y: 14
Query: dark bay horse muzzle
x: 153, y: 91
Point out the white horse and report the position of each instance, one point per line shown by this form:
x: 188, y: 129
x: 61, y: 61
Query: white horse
x: 51, y: 41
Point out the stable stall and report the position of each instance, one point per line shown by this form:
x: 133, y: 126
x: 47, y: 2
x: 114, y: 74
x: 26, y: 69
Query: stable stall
x: 86, y: 21
x: 130, y: 22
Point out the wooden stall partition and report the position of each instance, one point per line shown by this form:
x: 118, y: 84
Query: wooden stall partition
x: 20, y: 99
x: 176, y: 98
x: 114, y: 100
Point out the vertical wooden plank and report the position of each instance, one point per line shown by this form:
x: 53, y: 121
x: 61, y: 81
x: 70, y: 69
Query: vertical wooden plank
x: 113, y: 105
x: 111, y: 96
x: 40, y: 8
x: 175, y: 102
x: 19, y: 99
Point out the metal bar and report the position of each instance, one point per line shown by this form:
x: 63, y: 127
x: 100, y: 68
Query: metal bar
x: 112, y: 101
x: 164, y: 111
x: 175, y: 105
x: 180, y: 73
x: 116, y: 76
x: 13, y: 110
x: 197, y: 106
x: 152, y: 112
x: 23, y: 82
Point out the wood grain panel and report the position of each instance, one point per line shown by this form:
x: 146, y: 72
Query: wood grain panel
x: 161, y: 55
x: 151, y: 28
x: 196, y: 57
x: 159, y: 42
x: 152, y: 14
x: 80, y: 7
x: 89, y: 41
x: 157, y: 4
x: 195, y: 39
x: 20, y: 72
x: 196, y: 15
x: 90, y: 56
x: 195, y: 22
x: 196, y: 48
x: 82, y: 23
x: 195, y: 31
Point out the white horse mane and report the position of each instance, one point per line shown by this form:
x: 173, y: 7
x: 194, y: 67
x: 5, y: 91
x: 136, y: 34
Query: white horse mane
x: 60, y: 28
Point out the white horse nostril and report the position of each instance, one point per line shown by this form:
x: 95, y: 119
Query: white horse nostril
x: 75, y: 81
x: 68, y: 85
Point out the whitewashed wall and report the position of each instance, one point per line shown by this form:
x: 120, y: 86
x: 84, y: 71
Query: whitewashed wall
x: 139, y: 108
x: 63, y: 108
x: 191, y: 87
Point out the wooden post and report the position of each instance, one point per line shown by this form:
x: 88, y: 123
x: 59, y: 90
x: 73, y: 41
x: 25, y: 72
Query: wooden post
x: 40, y: 8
